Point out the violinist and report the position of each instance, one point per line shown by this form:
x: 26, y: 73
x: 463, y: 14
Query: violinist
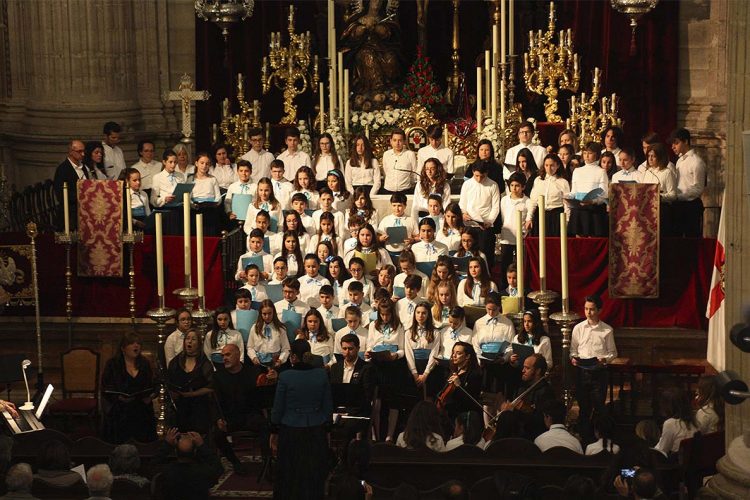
x: 525, y: 418
x: 465, y: 377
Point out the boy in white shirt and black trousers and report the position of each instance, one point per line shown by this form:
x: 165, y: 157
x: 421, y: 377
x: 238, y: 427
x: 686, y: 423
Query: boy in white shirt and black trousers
x: 691, y: 181
x: 480, y: 203
x: 399, y: 166
x: 592, y: 347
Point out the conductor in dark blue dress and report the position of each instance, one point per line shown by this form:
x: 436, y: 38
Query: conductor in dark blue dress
x: 300, y: 418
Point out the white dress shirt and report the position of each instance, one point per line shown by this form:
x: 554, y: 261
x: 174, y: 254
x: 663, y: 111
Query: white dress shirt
x: 593, y: 341
x: 589, y: 177
x: 148, y: 171
x: 444, y: 154
x: 420, y: 199
x: 474, y: 299
x: 328, y: 315
x: 488, y: 329
x: 312, y: 246
x: 238, y: 187
x: 672, y: 433
x: 377, y: 337
x: 252, y: 212
x: 598, y: 447
x: 114, y: 161
x: 361, y: 332
x: 282, y: 190
x: 421, y: 343
x: 452, y: 240
x: 324, y: 165
x: 553, y: 189
x: 138, y: 199
x: 267, y: 262
x: 631, y: 175
x: 360, y: 176
x: 173, y: 345
x: 400, y: 170
x: 666, y: 179
x: 309, y: 289
x: 449, y: 337
x: 206, y: 188
x: 508, y: 208
x: 691, y: 176
x: 277, y: 342
x: 225, y: 174
x: 312, y: 197
x: 707, y: 419
x: 297, y: 305
x: 393, y: 221
x: 257, y: 292
x: 480, y: 200
x: 558, y: 435
x: 163, y: 185
x: 225, y: 337
x: 293, y: 161
x: 261, y: 162
x: 339, y: 224
x: 537, y: 151
x: 544, y: 348
x: 428, y: 251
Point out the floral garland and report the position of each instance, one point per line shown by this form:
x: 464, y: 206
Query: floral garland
x: 339, y: 142
x: 489, y: 132
x: 376, y: 120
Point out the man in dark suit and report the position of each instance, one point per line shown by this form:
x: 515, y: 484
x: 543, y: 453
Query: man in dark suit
x: 356, y: 395
x: 300, y: 419
x: 69, y: 172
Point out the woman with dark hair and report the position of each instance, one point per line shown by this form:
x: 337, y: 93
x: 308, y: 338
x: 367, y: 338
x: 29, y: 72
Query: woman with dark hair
x: 314, y: 331
x: 465, y: 372
x: 224, y: 170
x: 362, y: 168
x: 608, y: 163
x: 423, y: 429
x: 128, y: 388
x: 567, y: 154
x: 710, y: 414
x: 612, y: 140
x: 93, y: 158
x: 337, y: 273
x: 680, y: 424
x: 554, y: 189
x: 526, y: 165
x: 325, y: 159
x: 222, y: 333
x: 486, y: 155
x: 189, y: 379
x: 53, y: 465
x: 604, y: 429
x: 658, y: 172
x: 432, y: 180
x: 532, y: 334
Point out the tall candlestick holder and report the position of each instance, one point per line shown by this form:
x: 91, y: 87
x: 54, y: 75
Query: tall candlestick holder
x: 543, y: 298
x: 201, y: 317
x: 68, y: 239
x: 566, y: 319
x: 187, y: 294
x: 549, y: 66
x: 160, y: 315
x: 130, y: 239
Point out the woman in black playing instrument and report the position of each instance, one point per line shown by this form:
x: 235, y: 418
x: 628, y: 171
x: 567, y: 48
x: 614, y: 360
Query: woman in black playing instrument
x: 465, y: 377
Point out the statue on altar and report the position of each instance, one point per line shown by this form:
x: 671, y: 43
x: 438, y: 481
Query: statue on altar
x: 371, y: 44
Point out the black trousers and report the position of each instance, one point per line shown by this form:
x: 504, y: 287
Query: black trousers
x: 254, y: 422
x: 487, y: 245
x: 688, y: 218
x: 591, y: 392
x: 303, y: 464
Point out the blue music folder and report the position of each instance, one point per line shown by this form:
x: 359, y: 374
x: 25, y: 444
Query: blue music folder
x: 292, y: 320
x: 179, y: 190
x: 240, y: 202
x: 245, y: 321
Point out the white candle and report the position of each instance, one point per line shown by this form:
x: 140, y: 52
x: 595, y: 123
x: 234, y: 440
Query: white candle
x: 199, y: 256
x: 159, y: 257
x: 186, y: 235
x: 564, y: 260
x: 66, y: 208
x: 331, y: 95
x: 488, y: 79
x: 495, y: 45
x: 322, y: 107
x: 502, y: 103
x: 511, y: 19
x: 340, y: 82
x: 503, y: 30
x: 334, y: 82
x: 346, y: 101
x: 542, y: 243
x: 480, y: 89
x: 445, y: 135
x: 493, y: 96
x: 129, y: 208
x: 519, y: 254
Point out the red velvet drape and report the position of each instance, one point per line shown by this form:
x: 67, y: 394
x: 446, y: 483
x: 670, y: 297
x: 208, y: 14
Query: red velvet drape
x: 646, y: 82
x: 684, y: 276
x: 108, y: 297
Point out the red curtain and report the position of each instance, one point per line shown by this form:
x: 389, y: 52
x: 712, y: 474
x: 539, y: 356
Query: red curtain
x: 684, y: 275
x: 108, y: 297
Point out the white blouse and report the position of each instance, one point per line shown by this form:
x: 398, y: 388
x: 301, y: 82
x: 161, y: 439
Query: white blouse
x: 361, y: 176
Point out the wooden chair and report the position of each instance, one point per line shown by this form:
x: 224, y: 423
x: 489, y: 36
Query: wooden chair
x: 698, y: 456
x: 80, y: 380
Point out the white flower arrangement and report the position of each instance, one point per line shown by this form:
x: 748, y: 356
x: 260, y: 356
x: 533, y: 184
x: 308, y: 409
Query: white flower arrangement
x: 489, y: 132
x: 304, y: 137
x: 339, y: 141
x: 378, y: 119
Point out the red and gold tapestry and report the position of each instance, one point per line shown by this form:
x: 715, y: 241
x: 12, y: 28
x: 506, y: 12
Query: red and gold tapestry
x: 100, y: 228
x: 634, y: 241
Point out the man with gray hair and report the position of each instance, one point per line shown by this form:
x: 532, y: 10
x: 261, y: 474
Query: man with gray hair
x: 99, y: 480
x: 18, y: 481
x: 125, y: 462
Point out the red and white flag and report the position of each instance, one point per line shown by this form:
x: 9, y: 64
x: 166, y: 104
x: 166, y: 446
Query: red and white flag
x: 717, y: 333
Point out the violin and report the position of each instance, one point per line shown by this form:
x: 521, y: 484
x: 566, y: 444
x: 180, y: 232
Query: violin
x: 442, y: 399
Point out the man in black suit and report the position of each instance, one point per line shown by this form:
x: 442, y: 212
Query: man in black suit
x: 69, y: 172
x: 352, y: 370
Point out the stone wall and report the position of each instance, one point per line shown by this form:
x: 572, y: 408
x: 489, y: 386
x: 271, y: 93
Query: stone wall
x: 702, y: 98
x: 69, y: 66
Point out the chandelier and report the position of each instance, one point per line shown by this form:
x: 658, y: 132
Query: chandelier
x: 634, y: 9
x: 224, y: 13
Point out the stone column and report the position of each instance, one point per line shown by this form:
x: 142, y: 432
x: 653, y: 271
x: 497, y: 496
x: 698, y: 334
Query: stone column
x: 702, y: 99
x: 72, y: 65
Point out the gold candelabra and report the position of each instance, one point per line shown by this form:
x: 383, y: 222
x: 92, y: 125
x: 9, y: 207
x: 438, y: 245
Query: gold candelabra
x: 131, y: 239
x: 588, y: 122
x: 160, y: 315
x: 68, y: 239
x: 549, y: 66
x: 290, y: 68
x: 236, y: 128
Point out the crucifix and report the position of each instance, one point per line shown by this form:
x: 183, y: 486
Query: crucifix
x: 186, y: 94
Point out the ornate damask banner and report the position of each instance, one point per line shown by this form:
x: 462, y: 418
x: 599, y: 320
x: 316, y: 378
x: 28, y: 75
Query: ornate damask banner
x: 634, y: 241
x: 100, y: 228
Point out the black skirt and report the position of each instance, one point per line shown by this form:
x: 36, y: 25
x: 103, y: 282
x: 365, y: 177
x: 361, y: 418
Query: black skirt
x: 303, y: 464
x: 551, y: 221
x: 589, y: 220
